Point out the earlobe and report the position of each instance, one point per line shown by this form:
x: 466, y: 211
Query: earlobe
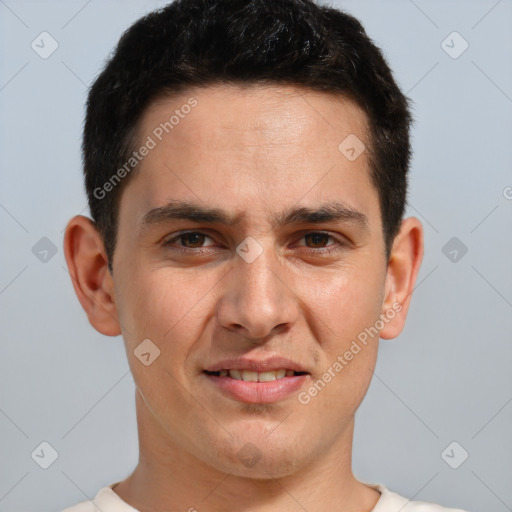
x: 92, y: 281
x: 402, y: 271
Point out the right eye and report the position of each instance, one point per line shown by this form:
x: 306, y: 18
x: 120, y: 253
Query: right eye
x: 189, y: 240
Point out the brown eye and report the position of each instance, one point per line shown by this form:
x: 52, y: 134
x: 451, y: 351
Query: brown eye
x: 192, y: 240
x: 318, y: 240
x: 317, y: 243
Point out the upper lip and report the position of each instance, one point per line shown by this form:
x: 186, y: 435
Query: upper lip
x: 264, y: 365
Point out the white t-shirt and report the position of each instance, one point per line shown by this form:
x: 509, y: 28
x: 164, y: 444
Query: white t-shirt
x: 108, y: 501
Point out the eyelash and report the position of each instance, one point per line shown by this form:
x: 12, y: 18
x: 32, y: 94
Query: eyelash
x: 321, y: 250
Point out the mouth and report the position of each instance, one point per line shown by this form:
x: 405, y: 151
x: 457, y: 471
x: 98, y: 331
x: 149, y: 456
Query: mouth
x: 254, y: 376
x: 256, y: 387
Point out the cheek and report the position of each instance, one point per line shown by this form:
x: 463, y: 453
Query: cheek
x: 341, y: 304
x: 168, y: 308
x: 344, y: 309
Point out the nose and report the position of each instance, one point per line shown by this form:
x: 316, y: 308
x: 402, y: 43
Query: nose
x: 257, y: 301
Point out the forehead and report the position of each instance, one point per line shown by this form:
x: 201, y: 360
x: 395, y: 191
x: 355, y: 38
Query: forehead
x: 235, y: 116
x: 252, y: 145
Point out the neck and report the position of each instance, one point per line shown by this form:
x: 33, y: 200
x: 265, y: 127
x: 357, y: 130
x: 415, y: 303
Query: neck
x: 168, y: 477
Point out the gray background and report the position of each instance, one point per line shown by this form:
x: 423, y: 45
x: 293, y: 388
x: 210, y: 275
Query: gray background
x: 446, y: 378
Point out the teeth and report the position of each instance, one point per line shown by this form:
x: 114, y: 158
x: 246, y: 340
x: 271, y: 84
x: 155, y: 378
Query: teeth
x: 235, y: 374
x: 249, y: 376
x: 282, y: 373
x: 252, y: 376
x: 273, y: 375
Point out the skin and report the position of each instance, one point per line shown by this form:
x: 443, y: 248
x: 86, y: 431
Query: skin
x: 258, y: 151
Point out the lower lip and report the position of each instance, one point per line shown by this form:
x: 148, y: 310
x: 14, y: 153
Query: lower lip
x: 258, y: 392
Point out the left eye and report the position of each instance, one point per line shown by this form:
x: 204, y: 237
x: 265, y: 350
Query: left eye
x: 318, y: 239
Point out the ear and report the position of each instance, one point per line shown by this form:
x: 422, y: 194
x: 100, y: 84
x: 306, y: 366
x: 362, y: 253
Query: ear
x: 403, y: 267
x: 92, y: 281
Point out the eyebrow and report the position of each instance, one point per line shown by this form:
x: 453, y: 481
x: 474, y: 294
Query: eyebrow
x: 182, y: 210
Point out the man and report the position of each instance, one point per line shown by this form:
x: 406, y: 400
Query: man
x: 246, y: 163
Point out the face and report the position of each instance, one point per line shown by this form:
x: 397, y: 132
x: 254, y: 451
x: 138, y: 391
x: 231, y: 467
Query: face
x: 250, y: 247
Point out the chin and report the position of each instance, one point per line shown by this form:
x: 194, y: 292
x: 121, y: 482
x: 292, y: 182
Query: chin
x: 261, y: 456
x: 269, y: 467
